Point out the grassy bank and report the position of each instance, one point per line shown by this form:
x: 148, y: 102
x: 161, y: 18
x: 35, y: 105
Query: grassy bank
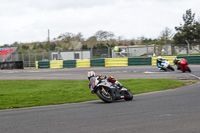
x: 27, y: 93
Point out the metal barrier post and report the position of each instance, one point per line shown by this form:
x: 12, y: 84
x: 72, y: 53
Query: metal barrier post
x: 188, y: 47
x: 29, y: 57
x: 91, y: 53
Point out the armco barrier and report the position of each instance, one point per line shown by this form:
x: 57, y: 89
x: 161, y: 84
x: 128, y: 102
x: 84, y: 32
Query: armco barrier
x: 69, y: 63
x: 97, y: 63
x: 139, y: 61
x: 169, y: 58
x: 56, y: 64
x: 110, y: 62
x: 83, y: 63
x: 43, y: 64
x: 191, y: 59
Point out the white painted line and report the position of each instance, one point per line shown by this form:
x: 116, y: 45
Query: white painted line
x: 9, y: 72
x: 110, y: 72
x: 156, y: 72
x: 34, y: 71
x: 194, y: 76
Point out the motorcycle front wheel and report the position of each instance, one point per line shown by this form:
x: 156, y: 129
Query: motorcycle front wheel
x: 128, y: 95
x: 189, y: 70
x: 105, y: 95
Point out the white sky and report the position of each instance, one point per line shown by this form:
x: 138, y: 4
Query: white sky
x: 29, y: 20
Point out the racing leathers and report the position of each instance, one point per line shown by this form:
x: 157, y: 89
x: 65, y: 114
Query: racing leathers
x: 177, y: 63
x: 159, y: 64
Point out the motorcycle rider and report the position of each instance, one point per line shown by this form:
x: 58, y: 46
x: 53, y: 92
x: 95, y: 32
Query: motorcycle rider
x: 114, y: 82
x: 110, y: 79
x: 91, y: 75
x: 177, y: 63
x: 158, y: 63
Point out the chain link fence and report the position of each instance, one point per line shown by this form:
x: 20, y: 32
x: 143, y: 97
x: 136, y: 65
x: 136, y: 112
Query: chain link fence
x: 155, y: 50
x: 29, y: 58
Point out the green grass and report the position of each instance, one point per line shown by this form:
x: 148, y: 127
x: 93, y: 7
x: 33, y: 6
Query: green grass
x: 28, y: 93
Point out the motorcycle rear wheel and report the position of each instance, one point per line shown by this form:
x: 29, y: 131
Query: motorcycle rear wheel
x: 104, y: 97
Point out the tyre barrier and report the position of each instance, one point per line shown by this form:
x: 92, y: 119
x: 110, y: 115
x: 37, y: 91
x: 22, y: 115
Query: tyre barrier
x: 69, y: 63
x: 82, y: 63
x: 139, y: 61
x: 56, y: 64
x: 43, y: 64
x: 97, y: 63
x: 111, y: 62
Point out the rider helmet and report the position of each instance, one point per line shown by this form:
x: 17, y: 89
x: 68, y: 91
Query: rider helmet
x: 159, y: 58
x: 175, y: 61
x: 91, y: 74
x: 112, y: 79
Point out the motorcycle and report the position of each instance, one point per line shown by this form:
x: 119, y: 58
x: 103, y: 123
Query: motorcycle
x: 184, y: 66
x: 166, y: 65
x: 109, y: 93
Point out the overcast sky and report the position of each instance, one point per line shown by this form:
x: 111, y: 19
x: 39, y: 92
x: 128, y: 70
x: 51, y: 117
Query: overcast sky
x: 29, y: 20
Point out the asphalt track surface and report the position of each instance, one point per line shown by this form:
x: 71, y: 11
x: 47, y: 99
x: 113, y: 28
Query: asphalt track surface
x: 170, y: 111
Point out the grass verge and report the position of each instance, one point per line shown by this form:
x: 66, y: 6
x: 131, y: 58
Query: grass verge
x: 28, y: 93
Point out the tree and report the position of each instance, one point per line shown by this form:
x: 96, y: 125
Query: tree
x: 40, y: 46
x: 189, y: 30
x: 164, y: 39
x: 15, y: 44
x: 74, y: 45
x: 103, y: 35
x: 25, y: 47
x: 34, y: 47
x: 84, y: 47
x: 166, y: 36
x: 46, y: 46
x: 66, y: 37
x: 91, y: 42
x: 78, y: 37
x: 147, y: 41
x: 52, y: 46
x: 6, y: 45
x: 69, y: 41
x: 197, y: 32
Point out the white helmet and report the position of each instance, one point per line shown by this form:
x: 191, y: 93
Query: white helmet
x: 159, y: 58
x: 91, y: 74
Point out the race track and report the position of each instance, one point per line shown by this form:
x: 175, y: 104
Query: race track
x: 170, y: 111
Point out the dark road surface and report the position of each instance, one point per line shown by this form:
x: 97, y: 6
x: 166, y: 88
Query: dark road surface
x: 170, y: 111
x: 131, y: 72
